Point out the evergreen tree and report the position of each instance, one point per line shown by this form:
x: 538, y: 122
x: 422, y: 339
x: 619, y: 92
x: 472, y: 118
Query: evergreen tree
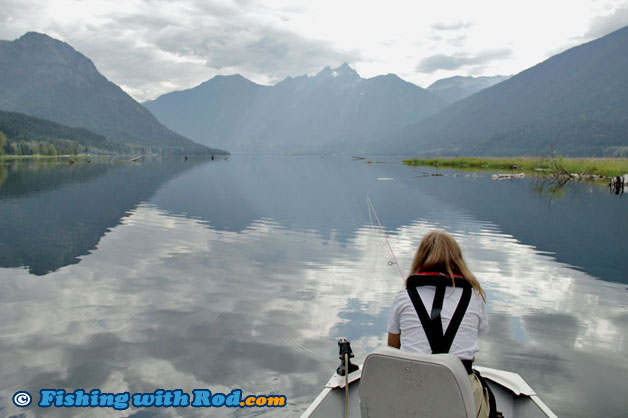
x: 3, y: 141
x: 51, y: 150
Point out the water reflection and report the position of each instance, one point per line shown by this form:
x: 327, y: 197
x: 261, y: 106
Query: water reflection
x: 179, y: 307
x: 584, y: 228
x: 3, y: 173
x: 552, y: 188
x: 179, y: 294
x: 54, y: 213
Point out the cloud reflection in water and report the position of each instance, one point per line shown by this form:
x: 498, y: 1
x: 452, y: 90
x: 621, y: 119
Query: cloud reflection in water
x: 169, y: 302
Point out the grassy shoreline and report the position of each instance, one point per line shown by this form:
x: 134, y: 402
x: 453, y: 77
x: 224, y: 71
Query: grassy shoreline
x: 606, y: 167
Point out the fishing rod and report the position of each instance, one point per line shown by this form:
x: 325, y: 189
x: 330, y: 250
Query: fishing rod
x: 383, y: 232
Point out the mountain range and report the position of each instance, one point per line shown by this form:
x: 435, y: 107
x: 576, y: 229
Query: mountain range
x: 44, y: 77
x: 456, y: 88
x: 334, y: 111
x: 574, y: 103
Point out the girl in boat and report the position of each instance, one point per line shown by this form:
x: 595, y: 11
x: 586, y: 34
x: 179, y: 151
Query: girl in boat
x: 442, y: 310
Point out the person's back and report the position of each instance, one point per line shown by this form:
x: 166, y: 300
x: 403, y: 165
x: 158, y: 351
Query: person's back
x: 442, y: 310
x: 405, y: 321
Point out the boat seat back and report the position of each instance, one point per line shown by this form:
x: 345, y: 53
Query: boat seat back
x: 399, y: 384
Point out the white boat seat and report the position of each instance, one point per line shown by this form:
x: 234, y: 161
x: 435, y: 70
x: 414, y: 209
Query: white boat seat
x: 399, y: 384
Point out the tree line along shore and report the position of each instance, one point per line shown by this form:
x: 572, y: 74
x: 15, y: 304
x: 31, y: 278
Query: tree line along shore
x: 593, y: 168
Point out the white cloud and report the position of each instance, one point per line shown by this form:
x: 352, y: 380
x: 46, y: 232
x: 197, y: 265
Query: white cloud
x: 603, y: 25
x: 460, y: 24
x: 150, y: 47
x: 458, y: 61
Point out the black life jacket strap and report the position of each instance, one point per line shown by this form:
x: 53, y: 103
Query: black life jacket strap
x: 456, y: 320
x: 468, y: 365
x: 436, y: 279
x: 432, y: 324
x: 426, y: 322
x: 437, y: 307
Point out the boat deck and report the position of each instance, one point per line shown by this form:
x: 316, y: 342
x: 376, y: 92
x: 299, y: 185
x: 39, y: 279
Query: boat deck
x: 331, y: 401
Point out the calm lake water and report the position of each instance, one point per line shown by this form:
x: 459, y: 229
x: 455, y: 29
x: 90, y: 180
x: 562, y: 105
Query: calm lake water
x: 244, y: 273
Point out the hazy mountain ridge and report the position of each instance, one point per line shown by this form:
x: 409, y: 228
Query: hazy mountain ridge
x: 334, y: 111
x: 574, y: 103
x: 234, y: 99
x: 47, y: 78
x: 458, y: 87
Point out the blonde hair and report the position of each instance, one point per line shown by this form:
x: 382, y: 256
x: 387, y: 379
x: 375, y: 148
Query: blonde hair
x: 439, y: 252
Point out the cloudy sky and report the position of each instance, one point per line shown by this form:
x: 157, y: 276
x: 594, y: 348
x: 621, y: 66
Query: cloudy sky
x: 150, y: 47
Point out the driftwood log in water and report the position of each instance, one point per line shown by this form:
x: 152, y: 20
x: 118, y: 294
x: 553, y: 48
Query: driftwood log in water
x: 503, y: 176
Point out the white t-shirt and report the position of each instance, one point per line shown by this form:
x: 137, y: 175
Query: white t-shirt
x: 404, y: 319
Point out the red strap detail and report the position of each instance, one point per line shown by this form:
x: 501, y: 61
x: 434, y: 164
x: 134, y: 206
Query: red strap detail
x: 434, y: 273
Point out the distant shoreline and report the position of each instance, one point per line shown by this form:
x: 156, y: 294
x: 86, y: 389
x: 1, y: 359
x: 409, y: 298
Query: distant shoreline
x: 52, y: 157
x: 591, y: 168
x: 65, y: 157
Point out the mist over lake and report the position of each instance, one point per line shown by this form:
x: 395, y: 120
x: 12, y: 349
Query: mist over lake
x: 243, y: 273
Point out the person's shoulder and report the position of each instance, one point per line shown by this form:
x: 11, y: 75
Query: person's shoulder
x: 401, y: 296
x: 401, y: 301
x: 475, y: 294
x: 400, y: 293
x: 476, y: 298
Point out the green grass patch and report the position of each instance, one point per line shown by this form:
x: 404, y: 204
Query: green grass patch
x: 607, y: 167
